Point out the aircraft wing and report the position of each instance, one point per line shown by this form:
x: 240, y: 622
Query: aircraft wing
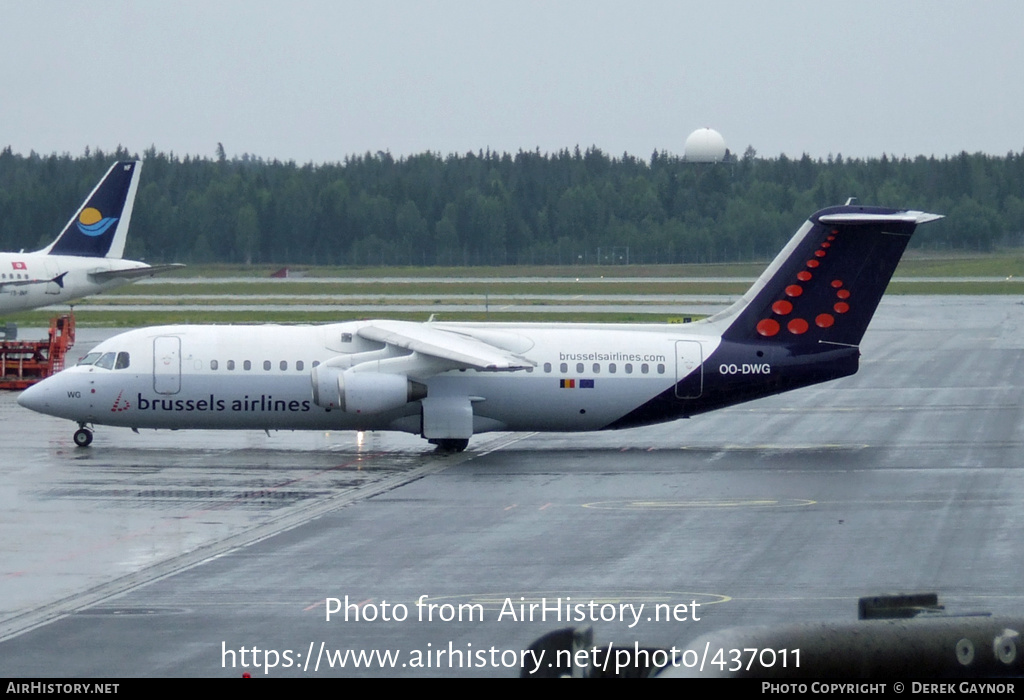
x: 133, y: 272
x: 445, y: 345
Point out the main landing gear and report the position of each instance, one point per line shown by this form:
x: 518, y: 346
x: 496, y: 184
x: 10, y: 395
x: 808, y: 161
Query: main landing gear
x: 83, y: 436
x: 450, y: 444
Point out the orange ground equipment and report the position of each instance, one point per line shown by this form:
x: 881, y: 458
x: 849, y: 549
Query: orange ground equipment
x: 25, y: 362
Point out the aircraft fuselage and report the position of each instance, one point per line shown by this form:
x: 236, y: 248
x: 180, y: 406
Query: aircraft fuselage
x: 33, y: 280
x: 585, y: 378
x: 800, y: 323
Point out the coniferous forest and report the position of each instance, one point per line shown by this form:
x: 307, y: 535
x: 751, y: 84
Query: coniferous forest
x: 485, y: 208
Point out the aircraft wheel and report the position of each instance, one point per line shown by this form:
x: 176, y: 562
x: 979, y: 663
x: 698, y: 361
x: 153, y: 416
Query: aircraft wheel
x: 83, y: 437
x: 451, y: 444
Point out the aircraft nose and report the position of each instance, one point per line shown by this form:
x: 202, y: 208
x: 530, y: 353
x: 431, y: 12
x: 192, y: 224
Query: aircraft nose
x: 36, y: 397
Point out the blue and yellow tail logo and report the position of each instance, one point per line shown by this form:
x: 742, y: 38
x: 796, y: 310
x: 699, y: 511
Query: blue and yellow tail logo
x: 92, y: 223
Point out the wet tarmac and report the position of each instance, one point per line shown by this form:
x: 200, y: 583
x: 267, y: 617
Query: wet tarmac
x: 169, y: 553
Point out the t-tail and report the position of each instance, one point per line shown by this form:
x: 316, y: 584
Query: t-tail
x: 800, y: 323
x: 824, y: 287
x: 100, y: 226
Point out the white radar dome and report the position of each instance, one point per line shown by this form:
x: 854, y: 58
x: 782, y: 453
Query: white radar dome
x: 704, y: 146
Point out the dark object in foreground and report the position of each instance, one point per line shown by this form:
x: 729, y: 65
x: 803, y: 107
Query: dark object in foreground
x: 892, y: 640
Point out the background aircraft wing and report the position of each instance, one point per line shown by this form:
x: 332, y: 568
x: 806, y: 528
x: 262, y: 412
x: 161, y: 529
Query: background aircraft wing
x: 445, y: 345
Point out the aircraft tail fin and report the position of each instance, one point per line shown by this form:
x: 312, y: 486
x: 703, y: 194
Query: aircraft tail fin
x: 826, y: 283
x: 100, y: 226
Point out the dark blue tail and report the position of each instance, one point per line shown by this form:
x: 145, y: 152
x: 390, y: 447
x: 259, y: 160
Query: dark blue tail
x: 100, y: 226
x: 826, y: 283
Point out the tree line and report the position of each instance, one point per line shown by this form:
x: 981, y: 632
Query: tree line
x: 487, y: 208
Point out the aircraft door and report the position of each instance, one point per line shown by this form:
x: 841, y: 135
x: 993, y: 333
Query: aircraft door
x: 689, y: 369
x: 167, y: 364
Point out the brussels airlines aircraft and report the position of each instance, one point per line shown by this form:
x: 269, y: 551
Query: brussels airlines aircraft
x: 86, y: 257
x: 799, y: 324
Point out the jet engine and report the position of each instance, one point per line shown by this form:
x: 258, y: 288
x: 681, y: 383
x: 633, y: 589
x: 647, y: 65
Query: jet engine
x: 363, y: 392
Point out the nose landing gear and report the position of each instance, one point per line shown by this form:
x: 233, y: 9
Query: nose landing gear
x: 83, y: 436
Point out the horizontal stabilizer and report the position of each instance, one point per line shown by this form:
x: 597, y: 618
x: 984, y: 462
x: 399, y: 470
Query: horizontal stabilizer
x: 134, y: 273
x: 902, y: 217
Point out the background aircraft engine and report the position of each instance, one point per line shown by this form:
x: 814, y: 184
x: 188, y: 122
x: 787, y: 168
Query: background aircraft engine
x: 363, y: 392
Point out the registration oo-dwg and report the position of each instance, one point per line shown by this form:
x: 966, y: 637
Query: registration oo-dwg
x: 763, y: 368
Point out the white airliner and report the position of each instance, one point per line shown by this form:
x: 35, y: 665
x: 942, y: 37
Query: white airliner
x: 799, y: 324
x: 86, y: 257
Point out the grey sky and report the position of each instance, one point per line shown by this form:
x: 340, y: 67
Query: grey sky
x: 316, y: 80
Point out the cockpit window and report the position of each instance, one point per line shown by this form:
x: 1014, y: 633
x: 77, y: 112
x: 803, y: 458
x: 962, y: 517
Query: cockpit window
x: 122, y: 361
x: 90, y: 359
x: 106, y: 361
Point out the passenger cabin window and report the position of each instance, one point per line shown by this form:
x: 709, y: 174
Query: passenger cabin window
x: 213, y: 364
x: 579, y: 368
x: 247, y: 365
x: 644, y: 369
x: 266, y: 365
x: 629, y: 368
x: 564, y: 368
x: 547, y: 367
x: 299, y: 365
x: 284, y: 365
x: 611, y: 368
x: 231, y: 365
